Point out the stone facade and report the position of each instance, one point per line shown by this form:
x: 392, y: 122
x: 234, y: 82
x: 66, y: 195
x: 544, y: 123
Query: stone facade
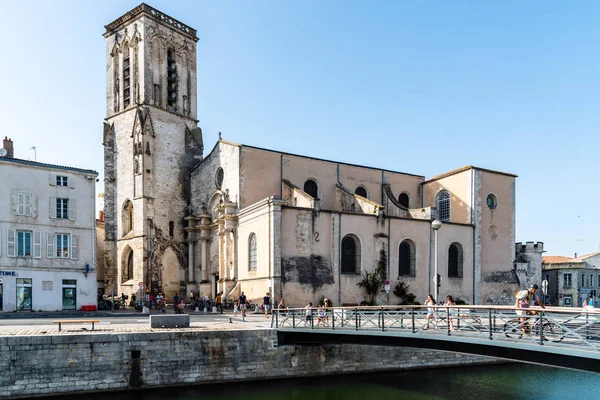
x: 151, y: 142
x: 47, y: 237
x: 256, y: 220
x: 53, y: 365
x: 572, y: 281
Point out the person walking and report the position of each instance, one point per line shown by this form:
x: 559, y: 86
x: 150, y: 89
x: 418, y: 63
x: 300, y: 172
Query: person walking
x: 236, y: 308
x: 243, y: 301
x: 267, y: 304
x: 451, y: 311
x: 430, y: 303
x: 281, y: 307
x: 176, y: 303
x: 219, y: 301
x: 308, y: 310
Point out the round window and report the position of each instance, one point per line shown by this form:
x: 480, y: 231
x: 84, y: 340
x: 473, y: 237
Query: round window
x: 219, y: 178
x: 492, y: 201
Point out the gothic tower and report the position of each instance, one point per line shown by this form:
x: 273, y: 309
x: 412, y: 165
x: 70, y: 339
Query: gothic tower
x: 151, y: 143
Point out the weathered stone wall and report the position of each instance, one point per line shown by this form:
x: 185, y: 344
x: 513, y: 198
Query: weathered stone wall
x: 49, y: 365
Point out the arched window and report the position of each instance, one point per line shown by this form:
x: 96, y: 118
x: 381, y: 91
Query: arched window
x: 171, y: 79
x: 252, y: 264
x: 406, y: 258
x: 455, y: 261
x: 126, y: 77
x: 171, y: 228
x: 311, y: 188
x: 404, y: 200
x: 361, y: 191
x: 443, y: 206
x: 127, y: 217
x: 350, y: 255
x: 127, y: 264
x: 130, y: 266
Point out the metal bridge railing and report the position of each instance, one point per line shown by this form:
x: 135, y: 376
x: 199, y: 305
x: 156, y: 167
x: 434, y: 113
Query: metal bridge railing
x: 551, y: 326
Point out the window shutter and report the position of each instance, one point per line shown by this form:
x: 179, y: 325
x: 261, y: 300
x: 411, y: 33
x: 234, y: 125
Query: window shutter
x: 50, y: 251
x: 21, y: 203
x: 37, y: 244
x: 10, y: 243
x: 27, y: 204
x: 14, y: 203
x: 74, y: 244
x: 52, y: 179
x: 71, y: 209
x: 53, y: 207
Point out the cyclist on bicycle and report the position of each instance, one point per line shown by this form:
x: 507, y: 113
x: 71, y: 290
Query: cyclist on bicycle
x: 523, y: 297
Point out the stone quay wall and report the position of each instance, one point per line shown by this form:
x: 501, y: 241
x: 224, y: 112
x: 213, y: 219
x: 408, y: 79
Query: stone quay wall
x: 57, y: 364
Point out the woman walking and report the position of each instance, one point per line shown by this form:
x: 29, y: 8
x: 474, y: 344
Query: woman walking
x: 430, y: 303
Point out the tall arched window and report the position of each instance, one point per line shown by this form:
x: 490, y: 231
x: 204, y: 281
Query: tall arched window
x: 455, y: 261
x: 361, y: 191
x: 126, y: 76
x: 252, y: 264
x: 130, y: 266
x: 171, y: 228
x: 311, y: 188
x: 171, y: 78
x: 127, y: 217
x: 127, y: 264
x: 350, y: 255
x: 443, y: 206
x: 406, y: 258
x: 404, y: 200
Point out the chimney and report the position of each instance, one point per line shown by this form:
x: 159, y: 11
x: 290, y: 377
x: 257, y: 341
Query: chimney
x: 102, y: 215
x: 8, y: 146
x: 575, y: 255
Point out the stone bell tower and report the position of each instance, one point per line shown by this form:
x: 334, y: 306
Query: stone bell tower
x: 151, y: 143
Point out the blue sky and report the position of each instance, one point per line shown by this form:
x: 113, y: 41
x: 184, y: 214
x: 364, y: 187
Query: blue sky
x: 415, y: 86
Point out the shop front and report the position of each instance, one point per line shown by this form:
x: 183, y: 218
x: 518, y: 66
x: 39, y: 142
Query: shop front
x: 26, y: 290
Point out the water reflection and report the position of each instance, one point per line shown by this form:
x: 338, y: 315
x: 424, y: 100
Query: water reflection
x: 509, y: 381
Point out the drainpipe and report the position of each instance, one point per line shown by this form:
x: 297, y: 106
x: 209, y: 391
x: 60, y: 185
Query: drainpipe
x: 281, y: 177
x: 388, y: 255
x: 339, y: 246
x: 382, y: 177
x: 473, y: 225
x: 340, y: 259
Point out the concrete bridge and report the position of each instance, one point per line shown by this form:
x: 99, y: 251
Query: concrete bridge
x: 559, y: 337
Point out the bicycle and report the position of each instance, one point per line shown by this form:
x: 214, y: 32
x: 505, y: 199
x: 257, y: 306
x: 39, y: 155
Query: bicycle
x: 550, y: 331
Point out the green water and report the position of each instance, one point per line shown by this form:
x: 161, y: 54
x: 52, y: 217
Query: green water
x: 512, y: 381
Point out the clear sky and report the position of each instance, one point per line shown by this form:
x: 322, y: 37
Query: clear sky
x: 416, y: 86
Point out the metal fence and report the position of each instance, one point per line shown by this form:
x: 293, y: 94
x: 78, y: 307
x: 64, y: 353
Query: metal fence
x: 551, y: 326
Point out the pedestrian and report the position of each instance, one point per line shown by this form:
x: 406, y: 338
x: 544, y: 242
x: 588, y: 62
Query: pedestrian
x: 181, y: 306
x: 192, y: 296
x: 236, y: 308
x: 159, y: 302
x: 242, y: 300
x: 451, y: 311
x: 281, y: 307
x: 430, y: 303
x: 175, y: 303
x: 219, y: 301
x: 308, y: 312
x: 326, y: 305
x: 321, y: 315
x: 267, y: 304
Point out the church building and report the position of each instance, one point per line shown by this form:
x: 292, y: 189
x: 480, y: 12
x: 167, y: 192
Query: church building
x: 242, y: 218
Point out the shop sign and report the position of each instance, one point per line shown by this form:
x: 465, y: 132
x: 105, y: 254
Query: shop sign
x: 8, y: 273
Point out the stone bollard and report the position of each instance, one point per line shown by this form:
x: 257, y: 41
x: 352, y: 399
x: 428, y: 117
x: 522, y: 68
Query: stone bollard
x: 197, y: 309
x: 145, y: 310
x: 214, y: 309
x: 205, y: 309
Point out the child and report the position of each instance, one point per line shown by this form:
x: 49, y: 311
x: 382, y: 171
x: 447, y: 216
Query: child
x: 181, y: 306
x: 321, y: 318
x: 236, y: 308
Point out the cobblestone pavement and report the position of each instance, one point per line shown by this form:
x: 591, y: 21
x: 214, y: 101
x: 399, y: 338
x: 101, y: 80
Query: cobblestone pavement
x: 103, y: 327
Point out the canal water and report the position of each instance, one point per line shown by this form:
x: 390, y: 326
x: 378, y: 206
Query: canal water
x: 508, y: 381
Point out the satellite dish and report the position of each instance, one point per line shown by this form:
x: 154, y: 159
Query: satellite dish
x: 3, y: 152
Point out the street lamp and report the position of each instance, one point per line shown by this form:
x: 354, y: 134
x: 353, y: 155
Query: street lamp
x: 436, y: 225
